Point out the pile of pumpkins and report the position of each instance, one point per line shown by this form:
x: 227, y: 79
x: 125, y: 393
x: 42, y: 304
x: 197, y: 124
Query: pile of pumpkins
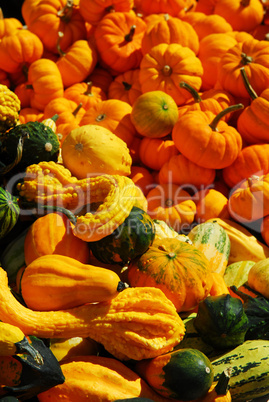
x: 134, y: 200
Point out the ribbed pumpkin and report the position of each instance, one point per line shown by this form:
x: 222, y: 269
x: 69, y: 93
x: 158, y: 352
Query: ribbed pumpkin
x: 155, y: 152
x: 179, y: 269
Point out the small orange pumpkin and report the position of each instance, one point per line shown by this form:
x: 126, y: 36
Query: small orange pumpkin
x: 142, y: 178
x: 173, y: 205
x: 125, y: 87
x: 93, y: 10
x: 154, y: 152
x: 85, y: 93
x: 210, y: 203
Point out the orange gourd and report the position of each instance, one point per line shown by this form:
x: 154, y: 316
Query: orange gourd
x: 52, y: 234
x: 85, y: 93
x: 125, y: 87
x: 210, y: 203
x: 93, y: 10
x: 165, y: 66
x: 173, y: 205
x: 179, y: 269
x: 155, y: 152
x: 142, y: 178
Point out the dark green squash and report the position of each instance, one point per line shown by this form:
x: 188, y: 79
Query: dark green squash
x: 131, y: 239
x: 9, y: 212
x: 221, y: 321
x: 40, y: 144
x: 183, y: 374
x: 32, y: 377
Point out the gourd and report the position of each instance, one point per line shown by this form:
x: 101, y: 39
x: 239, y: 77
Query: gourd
x: 221, y: 321
x: 9, y: 108
x: 41, y: 144
x: 258, y: 277
x: 249, y: 369
x: 52, y: 234
x: 236, y: 274
x: 56, y: 282
x: 100, y: 378
x: 4, y: 169
x: 183, y: 374
x: 138, y: 323
x: 24, y: 377
x: 244, y: 246
x: 113, y: 193
x: 131, y: 239
x: 77, y: 346
x: 162, y: 231
x: 9, y: 211
x: 179, y: 269
x: 214, y: 242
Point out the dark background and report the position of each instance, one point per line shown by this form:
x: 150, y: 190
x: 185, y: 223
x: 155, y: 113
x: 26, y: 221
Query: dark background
x: 12, y: 9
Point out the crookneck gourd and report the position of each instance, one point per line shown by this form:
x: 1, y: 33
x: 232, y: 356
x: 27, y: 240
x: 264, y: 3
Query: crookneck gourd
x: 109, y: 197
x: 139, y: 323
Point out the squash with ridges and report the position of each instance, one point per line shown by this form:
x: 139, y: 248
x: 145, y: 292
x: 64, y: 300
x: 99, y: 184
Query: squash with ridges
x: 9, y: 211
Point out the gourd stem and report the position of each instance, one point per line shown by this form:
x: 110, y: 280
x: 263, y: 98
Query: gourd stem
x: 197, y: 98
x: 244, y: 3
x: 100, y: 117
x: 166, y: 70
x: 253, y: 178
x: 88, y: 91
x: 110, y: 9
x: 75, y: 112
x: 166, y: 17
x: 245, y: 59
x: 121, y: 286
x: 126, y: 85
x: 60, y: 51
x: 248, y: 87
x: 25, y: 70
x: 25, y: 347
x: 130, y: 35
x: 55, y: 117
x: 221, y: 387
x: 66, y: 12
x: 219, y: 116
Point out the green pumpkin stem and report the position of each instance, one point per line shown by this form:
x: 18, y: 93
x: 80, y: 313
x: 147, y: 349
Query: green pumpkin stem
x: 219, y: 116
x: 248, y: 87
x: 222, y: 385
x: 88, y: 91
x: 166, y: 70
x: 60, y: 51
x: 126, y: 85
x: 130, y: 35
x: 75, y: 112
x: 197, y: 98
x: 55, y: 117
x: 65, y: 13
x: 245, y: 59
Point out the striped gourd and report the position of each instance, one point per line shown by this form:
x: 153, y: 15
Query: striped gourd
x: 214, y: 242
x: 9, y: 212
x: 250, y: 374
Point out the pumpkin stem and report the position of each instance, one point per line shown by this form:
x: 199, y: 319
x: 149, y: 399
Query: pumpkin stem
x: 75, y: 112
x: 126, y: 85
x: 252, y: 179
x: 60, y: 51
x: 110, y: 9
x: 100, y: 117
x: 29, y: 86
x: 121, y: 286
x: 222, y: 385
x: 248, y: 87
x: 197, y: 98
x: 1, y: 14
x: 66, y: 12
x: 219, y: 116
x: 55, y: 117
x: 166, y: 17
x: 166, y: 70
x: 245, y: 59
x: 130, y: 35
x: 25, y: 70
x: 244, y: 3
x: 88, y: 91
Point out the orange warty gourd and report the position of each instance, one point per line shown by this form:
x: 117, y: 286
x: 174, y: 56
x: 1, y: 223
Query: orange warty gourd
x: 207, y: 140
x: 179, y: 269
x: 165, y: 66
x: 57, y: 282
x: 154, y: 114
x: 172, y: 204
x: 52, y: 234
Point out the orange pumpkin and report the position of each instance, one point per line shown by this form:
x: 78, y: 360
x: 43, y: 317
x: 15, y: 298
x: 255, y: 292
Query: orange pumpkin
x: 243, y: 15
x: 24, y: 94
x: 167, y: 29
x: 172, y: 204
x: 142, y: 178
x: 101, y: 78
x: 85, y: 93
x: 30, y: 114
x: 165, y: 66
x: 173, y: 8
x: 154, y: 152
x: 9, y: 26
x: 254, y: 56
x: 210, y: 203
x: 93, y: 10
x: 46, y: 82
x: 113, y: 114
x: 251, y: 160
x: 52, y: 16
x: 179, y: 269
x: 118, y: 39
x: 52, y: 234
x: 207, y: 140
x: 76, y: 62
x: 182, y: 171
x: 125, y: 87
x: 18, y: 51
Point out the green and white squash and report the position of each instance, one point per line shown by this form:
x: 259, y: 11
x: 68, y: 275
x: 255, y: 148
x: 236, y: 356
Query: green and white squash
x: 236, y: 274
x: 131, y: 239
x: 9, y: 212
x: 214, y: 242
